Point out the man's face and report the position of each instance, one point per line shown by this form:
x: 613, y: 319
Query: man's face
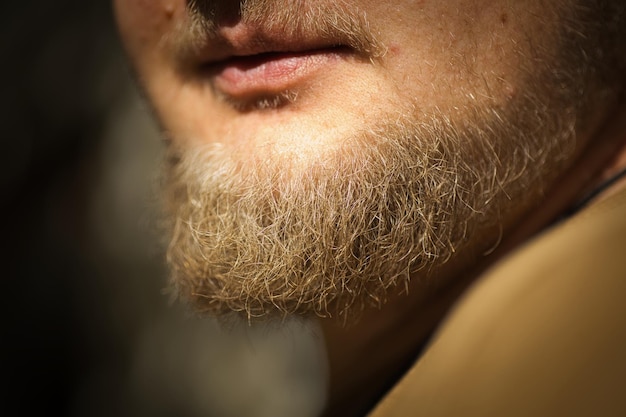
x: 324, y: 151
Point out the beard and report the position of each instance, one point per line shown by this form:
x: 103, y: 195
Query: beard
x: 270, y: 236
x: 410, y: 191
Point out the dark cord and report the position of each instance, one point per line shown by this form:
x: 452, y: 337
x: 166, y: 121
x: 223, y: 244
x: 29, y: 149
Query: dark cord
x: 594, y: 193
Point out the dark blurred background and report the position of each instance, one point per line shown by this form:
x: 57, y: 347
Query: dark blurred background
x: 87, y: 329
x: 74, y: 292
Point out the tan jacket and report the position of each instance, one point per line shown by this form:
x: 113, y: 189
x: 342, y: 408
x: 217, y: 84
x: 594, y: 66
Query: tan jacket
x: 542, y: 334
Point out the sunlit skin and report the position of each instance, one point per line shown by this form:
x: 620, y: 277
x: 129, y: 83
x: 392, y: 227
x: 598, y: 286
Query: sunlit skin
x: 434, y: 56
x: 427, y: 49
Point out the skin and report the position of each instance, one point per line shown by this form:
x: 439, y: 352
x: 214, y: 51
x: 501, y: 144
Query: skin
x: 438, y: 55
x: 420, y: 38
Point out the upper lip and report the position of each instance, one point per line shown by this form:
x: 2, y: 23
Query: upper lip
x: 244, y: 41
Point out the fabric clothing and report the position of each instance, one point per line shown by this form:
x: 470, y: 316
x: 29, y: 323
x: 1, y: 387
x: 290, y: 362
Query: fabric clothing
x: 543, y: 333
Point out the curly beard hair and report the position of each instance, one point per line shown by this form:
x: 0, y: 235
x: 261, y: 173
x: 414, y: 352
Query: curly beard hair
x: 272, y: 237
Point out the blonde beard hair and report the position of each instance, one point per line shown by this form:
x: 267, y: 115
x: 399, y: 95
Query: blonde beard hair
x: 268, y: 237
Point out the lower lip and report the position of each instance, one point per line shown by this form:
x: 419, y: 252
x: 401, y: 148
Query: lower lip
x: 272, y: 73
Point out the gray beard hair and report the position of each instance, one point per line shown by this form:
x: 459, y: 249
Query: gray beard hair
x: 269, y: 236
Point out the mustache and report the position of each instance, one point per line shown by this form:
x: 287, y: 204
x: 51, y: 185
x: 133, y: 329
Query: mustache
x: 338, y: 22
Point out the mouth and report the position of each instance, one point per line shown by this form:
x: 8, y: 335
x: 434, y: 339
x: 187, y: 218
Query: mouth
x: 271, y: 72
x: 247, y: 61
x: 272, y: 52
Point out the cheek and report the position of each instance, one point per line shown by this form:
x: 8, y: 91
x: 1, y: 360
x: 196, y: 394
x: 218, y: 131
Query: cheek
x: 142, y: 23
x: 473, y: 51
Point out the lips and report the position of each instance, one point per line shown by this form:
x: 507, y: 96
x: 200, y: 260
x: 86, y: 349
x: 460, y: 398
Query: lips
x: 271, y: 72
x: 244, y: 62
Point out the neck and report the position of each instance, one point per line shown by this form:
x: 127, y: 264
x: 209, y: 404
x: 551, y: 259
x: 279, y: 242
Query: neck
x: 368, y: 357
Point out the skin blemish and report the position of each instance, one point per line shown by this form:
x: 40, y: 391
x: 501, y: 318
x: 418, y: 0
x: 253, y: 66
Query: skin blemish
x: 169, y: 9
x: 394, y: 49
x: 504, y: 19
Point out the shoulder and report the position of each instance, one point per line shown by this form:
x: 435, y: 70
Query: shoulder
x: 542, y: 334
